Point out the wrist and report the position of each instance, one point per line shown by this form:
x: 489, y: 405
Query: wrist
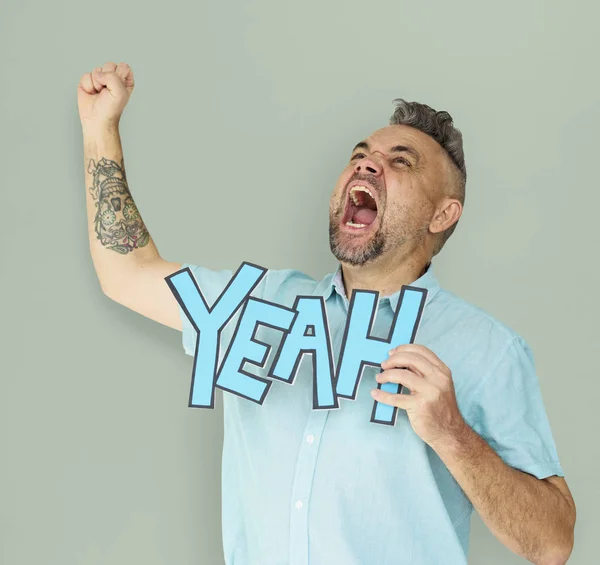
x: 456, y: 442
x: 102, y: 140
x: 99, y: 127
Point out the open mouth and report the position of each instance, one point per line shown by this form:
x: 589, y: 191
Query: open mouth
x: 361, y: 208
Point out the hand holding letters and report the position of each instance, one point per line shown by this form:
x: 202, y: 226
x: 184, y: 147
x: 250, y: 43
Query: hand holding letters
x: 431, y: 407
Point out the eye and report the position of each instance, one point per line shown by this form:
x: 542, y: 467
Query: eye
x: 402, y: 160
x: 357, y: 155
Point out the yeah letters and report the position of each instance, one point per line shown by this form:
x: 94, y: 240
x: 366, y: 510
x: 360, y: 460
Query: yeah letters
x: 305, y: 331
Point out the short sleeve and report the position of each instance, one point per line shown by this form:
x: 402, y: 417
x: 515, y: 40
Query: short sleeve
x: 212, y: 284
x: 507, y: 410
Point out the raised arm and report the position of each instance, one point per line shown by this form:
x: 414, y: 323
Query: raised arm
x: 129, y: 267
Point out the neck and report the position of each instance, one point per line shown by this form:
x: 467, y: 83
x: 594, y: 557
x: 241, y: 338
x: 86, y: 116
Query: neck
x: 384, y: 278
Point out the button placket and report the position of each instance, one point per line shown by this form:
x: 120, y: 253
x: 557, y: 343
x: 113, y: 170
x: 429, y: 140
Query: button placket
x: 303, y: 480
x: 302, y: 488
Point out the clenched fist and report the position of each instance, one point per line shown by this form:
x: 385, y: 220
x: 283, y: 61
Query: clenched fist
x: 103, y: 94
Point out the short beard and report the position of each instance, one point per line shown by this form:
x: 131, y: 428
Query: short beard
x: 355, y: 257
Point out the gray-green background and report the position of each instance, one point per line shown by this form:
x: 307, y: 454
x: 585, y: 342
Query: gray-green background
x: 244, y: 114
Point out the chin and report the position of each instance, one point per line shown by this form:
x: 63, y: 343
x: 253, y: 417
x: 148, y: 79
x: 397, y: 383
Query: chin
x: 348, y: 249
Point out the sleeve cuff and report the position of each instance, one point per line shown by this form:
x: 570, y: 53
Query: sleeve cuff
x: 541, y: 469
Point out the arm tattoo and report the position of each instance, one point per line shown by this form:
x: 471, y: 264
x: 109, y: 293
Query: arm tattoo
x: 118, y: 223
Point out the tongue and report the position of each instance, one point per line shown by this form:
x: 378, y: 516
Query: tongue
x: 364, y: 216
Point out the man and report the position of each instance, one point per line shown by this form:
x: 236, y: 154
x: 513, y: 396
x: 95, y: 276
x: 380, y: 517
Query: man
x: 327, y: 486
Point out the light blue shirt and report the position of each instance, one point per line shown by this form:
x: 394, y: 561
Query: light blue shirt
x: 327, y: 487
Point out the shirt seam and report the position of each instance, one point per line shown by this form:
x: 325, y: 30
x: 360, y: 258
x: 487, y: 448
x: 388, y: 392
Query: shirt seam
x: 462, y: 517
x: 544, y: 461
x: 470, y: 403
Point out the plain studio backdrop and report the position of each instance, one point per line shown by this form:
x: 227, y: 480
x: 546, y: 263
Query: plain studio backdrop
x: 243, y: 116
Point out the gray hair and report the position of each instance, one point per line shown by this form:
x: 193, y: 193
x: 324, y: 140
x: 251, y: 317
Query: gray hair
x: 439, y: 126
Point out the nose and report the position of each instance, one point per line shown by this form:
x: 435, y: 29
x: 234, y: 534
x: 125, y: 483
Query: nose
x: 368, y: 165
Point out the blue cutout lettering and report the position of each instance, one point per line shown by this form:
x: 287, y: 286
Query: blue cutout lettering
x: 309, y: 334
x: 209, y: 322
x: 405, y: 324
x: 360, y: 348
x: 245, y: 348
x: 312, y: 315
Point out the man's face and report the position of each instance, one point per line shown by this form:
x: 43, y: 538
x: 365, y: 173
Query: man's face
x: 386, y: 197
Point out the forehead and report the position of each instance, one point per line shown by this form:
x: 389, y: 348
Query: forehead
x: 390, y: 136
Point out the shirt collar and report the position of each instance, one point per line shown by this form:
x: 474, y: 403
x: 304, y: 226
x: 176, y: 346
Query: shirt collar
x: 334, y: 282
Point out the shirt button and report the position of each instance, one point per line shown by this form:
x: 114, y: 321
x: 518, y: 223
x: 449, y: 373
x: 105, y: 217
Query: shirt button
x: 298, y: 504
x: 310, y: 438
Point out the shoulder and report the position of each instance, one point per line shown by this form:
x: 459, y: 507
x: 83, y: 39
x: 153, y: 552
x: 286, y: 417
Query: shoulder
x: 469, y: 335
x: 469, y: 319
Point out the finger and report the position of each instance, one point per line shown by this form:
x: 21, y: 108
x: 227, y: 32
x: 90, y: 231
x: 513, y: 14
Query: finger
x: 422, y: 350
x: 86, y: 84
x: 413, y: 361
x: 403, y: 401
x: 95, y: 74
x: 419, y: 365
x: 428, y: 354
x: 404, y: 377
x: 112, y: 82
x: 125, y: 73
x: 109, y: 67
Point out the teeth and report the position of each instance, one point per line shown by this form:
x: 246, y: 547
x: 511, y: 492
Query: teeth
x: 355, y: 189
x: 352, y: 225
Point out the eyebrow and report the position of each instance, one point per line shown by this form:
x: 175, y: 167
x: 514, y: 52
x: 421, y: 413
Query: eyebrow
x: 395, y: 149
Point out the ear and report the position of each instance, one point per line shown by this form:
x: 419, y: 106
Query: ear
x: 448, y: 212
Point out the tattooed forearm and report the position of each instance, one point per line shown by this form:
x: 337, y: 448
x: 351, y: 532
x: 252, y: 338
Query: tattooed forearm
x: 117, y: 223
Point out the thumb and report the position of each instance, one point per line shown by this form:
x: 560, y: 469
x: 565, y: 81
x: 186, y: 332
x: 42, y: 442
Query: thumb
x: 112, y: 82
